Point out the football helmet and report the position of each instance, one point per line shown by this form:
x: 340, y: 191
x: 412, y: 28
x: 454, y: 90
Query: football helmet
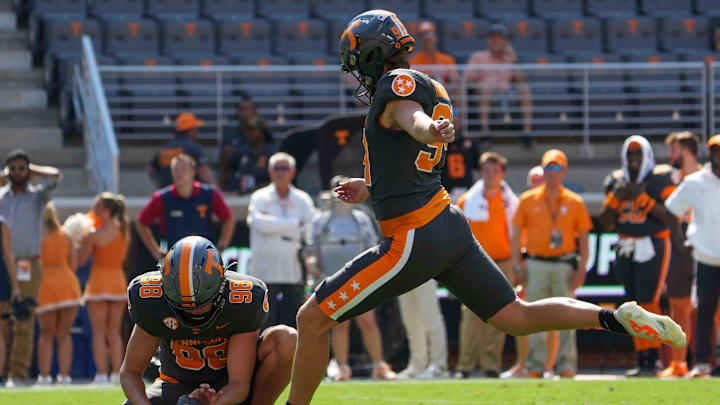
x: 367, y: 42
x: 192, y: 276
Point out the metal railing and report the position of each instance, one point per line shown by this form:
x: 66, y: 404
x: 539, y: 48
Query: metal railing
x: 714, y: 99
x: 101, y: 145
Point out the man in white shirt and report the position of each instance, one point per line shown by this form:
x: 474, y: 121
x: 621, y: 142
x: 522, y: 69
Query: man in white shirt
x: 700, y: 192
x: 280, y: 218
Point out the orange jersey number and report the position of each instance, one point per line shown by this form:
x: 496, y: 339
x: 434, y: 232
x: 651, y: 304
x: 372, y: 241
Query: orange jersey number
x: 194, y: 359
x: 425, y: 161
x: 151, y: 287
x: 240, y: 292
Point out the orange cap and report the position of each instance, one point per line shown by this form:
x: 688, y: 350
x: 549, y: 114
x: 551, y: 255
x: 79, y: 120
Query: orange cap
x: 713, y: 141
x: 426, y: 27
x: 555, y: 156
x: 187, y: 121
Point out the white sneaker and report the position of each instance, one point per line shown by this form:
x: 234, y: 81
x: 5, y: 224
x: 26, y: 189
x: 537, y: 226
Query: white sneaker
x: 433, y: 372
x: 63, y: 380
x: 100, y: 379
x: 115, y: 379
x: 43, y: 380
x: 10, y: 383
x: 407, y: 374
x: 549, y: 375
x: 643, y: 324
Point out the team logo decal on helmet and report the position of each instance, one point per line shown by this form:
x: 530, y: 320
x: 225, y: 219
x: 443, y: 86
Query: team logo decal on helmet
x: 193, y: 276
x: 367, y: 42
x: 403, y: 85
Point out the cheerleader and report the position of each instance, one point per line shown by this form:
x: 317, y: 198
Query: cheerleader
x: 105, y: 291
x: 58, y: 299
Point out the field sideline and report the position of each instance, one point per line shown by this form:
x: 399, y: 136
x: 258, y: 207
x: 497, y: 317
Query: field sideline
x: 474, y: 391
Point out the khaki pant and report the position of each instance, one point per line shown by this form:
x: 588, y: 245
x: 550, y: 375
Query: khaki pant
x: 424, y: 326
x: 22, y: 346
x: 480, y: 342
x: 547, y: 279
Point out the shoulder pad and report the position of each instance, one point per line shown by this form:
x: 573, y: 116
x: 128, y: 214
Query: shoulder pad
x: 662, y: 169
x: 145, y: 304
x: 246, y: 302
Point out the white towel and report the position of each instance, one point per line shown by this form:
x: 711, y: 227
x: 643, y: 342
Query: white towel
x: 644, y: 250
x: 476, y: 207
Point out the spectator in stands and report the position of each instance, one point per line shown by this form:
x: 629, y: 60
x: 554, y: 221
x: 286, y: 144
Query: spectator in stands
x: 235, y: 137
x: 535, y: 177
x: 22, y: 205
x: 700, y: 192
x: 682, y: 153
x: 428, y: 54
x: 489, y: 206
x: 497, y: 84
x: 58, y: 299
x: 556, y: 223
x: 634, y: 209
x: 461, y: 160
x: 248, y: 167
x: 340, y: 232
x: 280, y: 220
x: 716, y: 37
x: 185, y: 208
x: 9, y: 286
x: 185, y: 141
x: 105, y: 291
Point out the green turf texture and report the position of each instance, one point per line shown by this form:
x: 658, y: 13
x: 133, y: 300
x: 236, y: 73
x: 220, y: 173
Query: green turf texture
x: 641, y: 392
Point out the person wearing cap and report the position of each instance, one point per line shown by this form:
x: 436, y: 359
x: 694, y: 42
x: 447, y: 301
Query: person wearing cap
x: 634, y: 209
x: 494, y: 83
x: 700, y: 192
x: 185, y: 141
x: 429, y: 54
x: 248, y: 166
x: 184, y: 208
x: 556, y: 223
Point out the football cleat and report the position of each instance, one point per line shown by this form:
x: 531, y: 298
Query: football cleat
x: 644, y: 324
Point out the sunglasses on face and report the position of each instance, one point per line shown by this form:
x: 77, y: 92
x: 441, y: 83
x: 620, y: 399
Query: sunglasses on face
x: 281, y: 169
x: 17, y: 168
x: 553, y: 167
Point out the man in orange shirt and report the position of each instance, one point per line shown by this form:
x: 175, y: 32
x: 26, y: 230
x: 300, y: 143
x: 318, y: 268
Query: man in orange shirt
x: 554, y: 219
x: 489, y: 206
x: 430, y: 55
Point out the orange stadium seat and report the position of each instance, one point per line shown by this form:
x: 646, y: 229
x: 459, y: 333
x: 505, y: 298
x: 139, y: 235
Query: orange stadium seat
x: 463, y: 37
x: 300, y: 37
x: 238, y: 38
x: 228, y: 9
x: 579, y: 35
x: 188, y: 38
x: 528, y: 35
x: 130, y: 37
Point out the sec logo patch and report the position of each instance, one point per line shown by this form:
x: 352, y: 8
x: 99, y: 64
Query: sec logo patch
x: 171, y: 322
x: 403, y: 85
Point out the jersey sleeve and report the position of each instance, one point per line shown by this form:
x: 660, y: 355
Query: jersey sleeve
x: 152, y: 211
x: 146, y: 311
x: 248, y: 316
x: 662, y: 183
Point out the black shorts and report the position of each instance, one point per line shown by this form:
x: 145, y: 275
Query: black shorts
x: 444, y: 249
x: 163, y: 392
x: 644, y: 281
x: 680, y: 274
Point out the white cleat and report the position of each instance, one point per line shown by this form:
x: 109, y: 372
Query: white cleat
x: 43, y: 380
x: 644, y: 324
x: 64, y: 380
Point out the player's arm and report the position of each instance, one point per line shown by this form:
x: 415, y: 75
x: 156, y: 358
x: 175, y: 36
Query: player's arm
x: 353, y: 191
x: 611, y: 205
x: 140, y: 349
x: 409, y: 116
x: 241, y: 355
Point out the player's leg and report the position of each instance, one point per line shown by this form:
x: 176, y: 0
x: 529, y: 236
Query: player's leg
x: 64, y: 340
x: 48, y: 329
x: 679, y: 284
x: 275, y: 357
x: 98, y: 312
x: 115, y: 342
x: 340, y: 342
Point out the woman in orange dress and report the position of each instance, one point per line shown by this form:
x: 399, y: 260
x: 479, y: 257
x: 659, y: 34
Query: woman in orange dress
x: 58, y: 299
x: 105, y: 291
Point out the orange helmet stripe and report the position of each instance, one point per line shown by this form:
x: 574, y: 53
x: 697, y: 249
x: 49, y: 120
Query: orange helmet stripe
x: 348, y: 32
x: 186, y: 290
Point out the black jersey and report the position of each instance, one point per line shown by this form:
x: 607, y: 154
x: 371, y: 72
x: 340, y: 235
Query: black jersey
x: 633, y: 218
x: 187, y: 355
x: 402, y: 174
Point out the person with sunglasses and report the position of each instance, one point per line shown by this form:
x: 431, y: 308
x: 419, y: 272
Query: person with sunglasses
x: 280, y: 218
x: 556, y: 223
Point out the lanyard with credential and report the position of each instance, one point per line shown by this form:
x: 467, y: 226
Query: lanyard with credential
x: 553, y: 213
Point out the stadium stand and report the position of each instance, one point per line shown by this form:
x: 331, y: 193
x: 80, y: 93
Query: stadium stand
x: 557, y: 8
x: 679, y: 34
x: 117, y: 9
x: 463, y: 37
x: 448, y: 8
x: 630, y: 35
x: 336, y: 9
x: 503, y: 9
x: 707, y: 7
x: 571, y: 36
x: 183, y: 38
x: 284, y: 9
x: 300, y: 37
x: 228, y: 9
x: 173, y: 9
x: 238, y: 38
x: 133, y: 37
x: 666, y: 8
x: 405, y: 9
x: 611, y: 8
x: 528, y: 36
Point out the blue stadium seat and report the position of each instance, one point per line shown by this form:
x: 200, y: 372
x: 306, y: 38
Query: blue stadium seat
x: 228, y: 9
x: 680, y: 34
x: 284, y: 9
x: 405, y: 9
x: 63, y: 36
x: 557, y: 8
x: 45, y: 8
x: 138, y: 37
x: 667, y: 8
x: 463, y: 37
x: 202, y: 86
x: 183, y: 38
x: 117, y: 9
x: 300, y: 37
x: 443, y: 9
x: 502, y: 9
x: 528, y: 36
x: 576, y: 36
x: 612, y: 8
x: 174, y: 9
x: 627, y: 35
x: 708, y: 7
x: 340, y: 9
x: 239, y: 38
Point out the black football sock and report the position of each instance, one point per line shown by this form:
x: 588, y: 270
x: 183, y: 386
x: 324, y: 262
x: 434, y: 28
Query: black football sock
x: 608, y: 321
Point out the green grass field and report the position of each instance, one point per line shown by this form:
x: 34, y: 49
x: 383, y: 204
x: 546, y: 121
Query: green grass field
x: 550, y: 392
